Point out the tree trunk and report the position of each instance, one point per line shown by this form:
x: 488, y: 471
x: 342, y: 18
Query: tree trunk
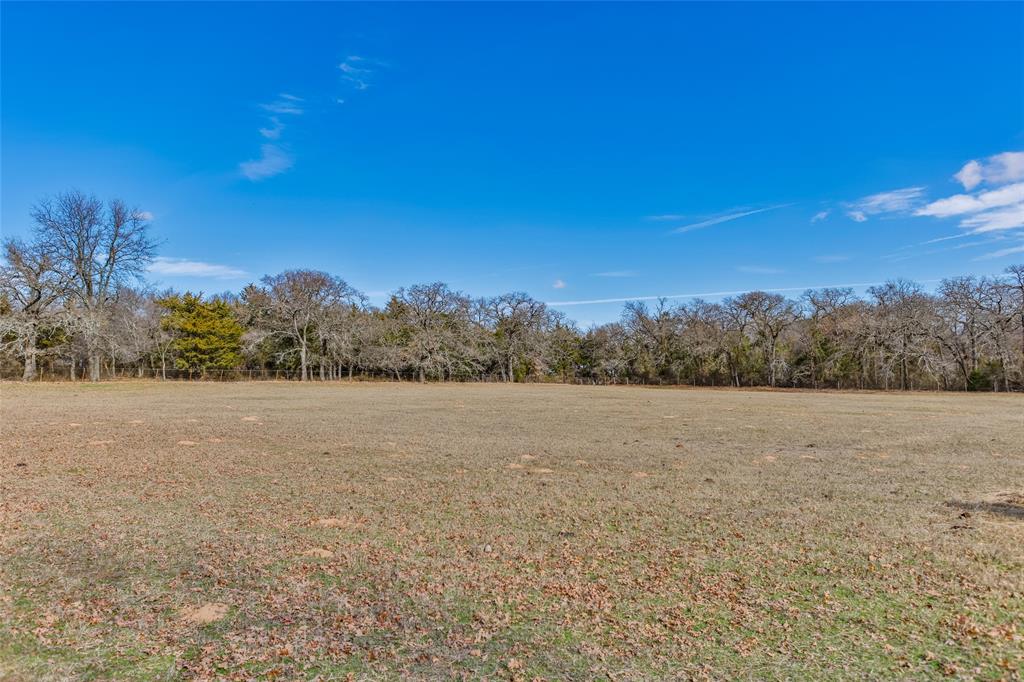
x: 423, y: 376
x: 350, y: 372
x: 94, y: 367
x: 30, y: 360
x: 302, y: 361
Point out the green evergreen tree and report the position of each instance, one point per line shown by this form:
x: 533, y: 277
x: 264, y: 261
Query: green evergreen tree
x: 206, y: 334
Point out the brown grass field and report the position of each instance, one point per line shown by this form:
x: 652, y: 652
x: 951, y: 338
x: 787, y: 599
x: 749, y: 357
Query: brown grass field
x: 382, y: 531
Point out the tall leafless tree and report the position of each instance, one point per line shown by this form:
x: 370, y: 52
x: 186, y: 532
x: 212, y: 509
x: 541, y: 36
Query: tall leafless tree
x: 518, y: 322
x: 31, y: 288
x: 432, y: 321
x: 297, y: 306
x: 96, y: 249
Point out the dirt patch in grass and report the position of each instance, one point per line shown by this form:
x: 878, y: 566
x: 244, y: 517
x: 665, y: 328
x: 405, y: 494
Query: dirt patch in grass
x: 480, y: 531
x: 207, y: 613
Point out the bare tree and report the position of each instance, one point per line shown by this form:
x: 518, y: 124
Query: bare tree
x: 767, y: 316
x: 901, y: 317
x: 655, y: 335
x: 296, y: 306
x: 433, y: 321
x: 96, y: 249
x: 31, y: 288
x: 518, y: 323
x: 136, y: 335
x: 343, y: 337
x: 1015, y: 275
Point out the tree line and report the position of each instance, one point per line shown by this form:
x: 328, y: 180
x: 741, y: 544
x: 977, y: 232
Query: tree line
x: 73, y: 302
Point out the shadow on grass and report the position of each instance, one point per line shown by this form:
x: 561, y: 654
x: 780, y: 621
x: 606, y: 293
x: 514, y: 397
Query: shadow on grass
x: 1010, y: 505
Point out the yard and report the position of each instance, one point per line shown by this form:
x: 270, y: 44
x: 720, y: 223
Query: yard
x: 182, y: 530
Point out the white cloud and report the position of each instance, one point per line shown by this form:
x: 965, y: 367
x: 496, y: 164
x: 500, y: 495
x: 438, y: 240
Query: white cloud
x: 615, y: 273
x: 144, y: 215
x: 895, y: 201
x: 998, y: 209
x: 970, y: 176
x: 988, y: 211
x: 1009, y: 218
x: 285, y: 104
x: 182, y: 267
x: 347, y: 68
x: 723, y: 218
x: 1002, y: 252
x: 903, y: 255
x: 759, y: 270
x: 959, y: 204
x: 559, y: 284
x: 819, y: 216
x: 710, y: 294
x: 359, y: 76
x: 995, y: 170
x: 273, y: 132
x: 273, y: 161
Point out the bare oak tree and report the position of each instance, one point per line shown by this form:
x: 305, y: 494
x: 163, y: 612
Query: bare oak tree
x: 31, y: 288
x: 96, y: 249
x: 299, y: 307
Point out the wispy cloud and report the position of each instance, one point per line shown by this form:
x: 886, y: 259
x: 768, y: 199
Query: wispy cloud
x: 273, y: 131
x: 998, y: 208
x: 831, y: 258
x: 182, y: 267
x: 667, y: 217
x: 273, y: 160
x: 1009, y: 218
x: 894, y: 201
x: 710, y: 294
x: 717, y: 220
x: 145, y: 215
x: 995, y: 170
x: 559, y: 284
x: 758, y: 270
x: 615, y: 273
x: 903, y: 255
x: 819, y: 216
x: 959, y: 204
x: 359, y: 72
x: 1002, y: 253
x: 285, y: 104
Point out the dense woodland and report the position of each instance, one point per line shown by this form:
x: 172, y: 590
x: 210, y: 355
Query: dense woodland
x: 74, y: 305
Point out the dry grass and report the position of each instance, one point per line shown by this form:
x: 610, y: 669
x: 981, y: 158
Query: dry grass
x: 155, y: 531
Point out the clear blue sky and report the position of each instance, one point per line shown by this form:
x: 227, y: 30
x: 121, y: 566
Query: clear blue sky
x: 576, y: 152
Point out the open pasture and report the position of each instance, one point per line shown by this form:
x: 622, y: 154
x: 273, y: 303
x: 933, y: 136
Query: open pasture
x: 260, y: 530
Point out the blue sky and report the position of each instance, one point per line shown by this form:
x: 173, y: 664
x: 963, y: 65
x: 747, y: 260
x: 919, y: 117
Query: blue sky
x: 577, y: 152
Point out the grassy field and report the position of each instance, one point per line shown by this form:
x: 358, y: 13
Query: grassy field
x: 166, y: 531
